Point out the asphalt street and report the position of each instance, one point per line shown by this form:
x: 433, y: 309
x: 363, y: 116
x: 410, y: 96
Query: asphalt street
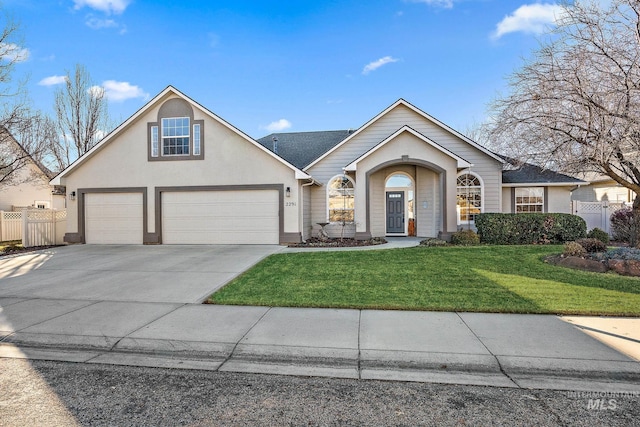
x: 45, y: 393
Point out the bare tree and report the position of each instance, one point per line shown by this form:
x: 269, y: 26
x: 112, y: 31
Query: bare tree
x: 12, y: 101
x: 575, y: 105
x: 81, y: 110
x: 37, y: 135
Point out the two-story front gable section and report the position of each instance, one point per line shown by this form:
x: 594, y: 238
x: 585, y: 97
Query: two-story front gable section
x: 406, y: 173
x: 175, y: 173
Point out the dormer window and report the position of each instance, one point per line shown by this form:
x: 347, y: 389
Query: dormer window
x: 176, y: 135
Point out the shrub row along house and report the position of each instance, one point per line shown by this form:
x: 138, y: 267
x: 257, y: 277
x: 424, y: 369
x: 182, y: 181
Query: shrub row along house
x: 176, y: 173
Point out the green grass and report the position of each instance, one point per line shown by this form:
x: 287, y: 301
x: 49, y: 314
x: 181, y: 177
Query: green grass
x: 10, y: 244
x: 511, y: 279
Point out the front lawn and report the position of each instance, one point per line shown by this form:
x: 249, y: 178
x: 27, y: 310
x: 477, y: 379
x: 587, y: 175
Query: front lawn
x: 510, y: 279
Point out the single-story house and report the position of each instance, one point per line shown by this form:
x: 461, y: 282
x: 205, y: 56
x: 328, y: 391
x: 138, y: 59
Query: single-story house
x: 176, y: 173
x: 602, y: 188
x: 27, y: 183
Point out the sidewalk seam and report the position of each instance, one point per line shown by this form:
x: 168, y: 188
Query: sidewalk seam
x: 359, y: 361
x: 233, y: 350
x: 145, y: 325
x: 490, y: 352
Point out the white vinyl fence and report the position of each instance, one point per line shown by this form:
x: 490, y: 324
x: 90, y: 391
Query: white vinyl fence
x: 10, y: 226
x: 35, y: 227
x: 597, y: 214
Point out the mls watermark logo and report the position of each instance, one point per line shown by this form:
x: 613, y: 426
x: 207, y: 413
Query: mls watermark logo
x: 602, y: 404
x: 603, y: 401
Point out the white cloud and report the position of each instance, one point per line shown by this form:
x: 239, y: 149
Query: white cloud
x: 14, y: 53
x: 278, y: 125
x: 447, y: 4
x: 120, y: 91
x: 52, y: 80
x: 106, y: 6
x: 529, y: 18
x: 372, y: 66
x: 97, y: 23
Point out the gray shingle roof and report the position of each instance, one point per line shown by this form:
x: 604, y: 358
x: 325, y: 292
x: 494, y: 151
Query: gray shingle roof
x: 526, y: 173
x: 302, y: 148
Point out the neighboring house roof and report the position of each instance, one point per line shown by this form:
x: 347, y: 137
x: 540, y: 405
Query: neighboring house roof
x: 302, y: 148
x: 299, y: 174
x: 462, y: 163
x: 525, y: 174
x: 45, y: 171
x: 419, y: 112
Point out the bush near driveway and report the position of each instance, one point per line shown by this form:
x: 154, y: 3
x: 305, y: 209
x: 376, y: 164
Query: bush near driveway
x: 529, y: 228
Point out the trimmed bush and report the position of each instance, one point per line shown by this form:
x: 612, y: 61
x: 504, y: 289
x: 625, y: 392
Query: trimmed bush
x: 624, y: 227
x: 599, y: 234
x: 529, y: 228
x: 432, y: 241
x: 574, y: 249
x: 465, y: 238
x: 592, y: 245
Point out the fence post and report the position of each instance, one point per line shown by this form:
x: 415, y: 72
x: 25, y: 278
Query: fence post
x: 1, y: 226
x: 25, y: 228
x: 53, y: 226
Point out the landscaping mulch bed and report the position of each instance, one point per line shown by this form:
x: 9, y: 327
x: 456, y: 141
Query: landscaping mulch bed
x: 315, y: 242
x: 623, y: 267
x: 8, y: 251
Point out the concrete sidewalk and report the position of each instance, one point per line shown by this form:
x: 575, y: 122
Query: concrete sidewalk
x: 139, y: 305
x: 507, y: 350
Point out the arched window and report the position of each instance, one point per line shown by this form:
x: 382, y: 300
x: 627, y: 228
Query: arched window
x: 340, y: 199
x: 469, y: 197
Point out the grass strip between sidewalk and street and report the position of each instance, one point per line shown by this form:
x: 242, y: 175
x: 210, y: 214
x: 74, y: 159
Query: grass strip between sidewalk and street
x: 502, y: 279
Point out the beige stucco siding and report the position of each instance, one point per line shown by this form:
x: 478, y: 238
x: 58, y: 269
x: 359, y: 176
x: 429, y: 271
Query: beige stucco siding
x: 28, y: 186
x: 596, y: 192
x: 558, y: 199
x: 507, y: 200
x: 306, y: 212
x: 427, y: 192
x: 404, y: 144
x: 229, y: 160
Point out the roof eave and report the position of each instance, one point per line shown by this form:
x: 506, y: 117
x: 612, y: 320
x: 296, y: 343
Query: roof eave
x: 544, y: 184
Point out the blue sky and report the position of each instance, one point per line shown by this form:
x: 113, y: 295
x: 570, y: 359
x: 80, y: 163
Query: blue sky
x: 283, y: 66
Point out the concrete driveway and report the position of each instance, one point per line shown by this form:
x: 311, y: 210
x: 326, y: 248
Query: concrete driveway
x: 170, y: 274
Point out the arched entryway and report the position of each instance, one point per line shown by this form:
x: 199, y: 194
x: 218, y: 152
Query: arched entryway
x: 399, y: 196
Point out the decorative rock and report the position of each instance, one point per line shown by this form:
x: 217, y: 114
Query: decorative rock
x: 583, y: 264
x: 625, y: 267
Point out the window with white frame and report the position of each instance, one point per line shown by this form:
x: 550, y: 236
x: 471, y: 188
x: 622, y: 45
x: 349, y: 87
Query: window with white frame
x: 529, y: 199
x: 469, y: 197
x: 175, y: 136
x: 340, y: 195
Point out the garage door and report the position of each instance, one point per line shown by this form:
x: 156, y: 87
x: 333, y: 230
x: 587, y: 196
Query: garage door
x: 220, y: 217
x: 113, y: 218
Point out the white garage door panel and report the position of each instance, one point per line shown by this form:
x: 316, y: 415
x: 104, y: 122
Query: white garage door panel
x: 113, y: 218
x: 220, y: 217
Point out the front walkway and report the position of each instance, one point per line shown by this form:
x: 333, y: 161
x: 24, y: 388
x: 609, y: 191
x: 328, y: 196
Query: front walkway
x: 392, y: 243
